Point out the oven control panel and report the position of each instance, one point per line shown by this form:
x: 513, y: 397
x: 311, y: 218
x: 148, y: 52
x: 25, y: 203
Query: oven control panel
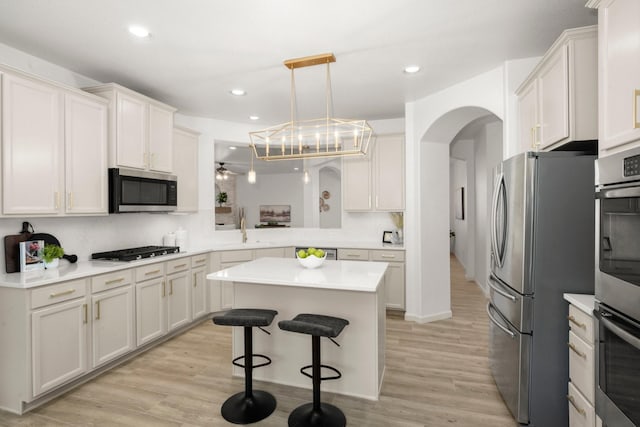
x: 632, y: 166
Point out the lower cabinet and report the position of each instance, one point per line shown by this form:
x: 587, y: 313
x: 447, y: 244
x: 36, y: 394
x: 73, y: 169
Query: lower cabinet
x: 58, y: 344
x: 178, y: 299
x: 395, y: 277
x: 150, y: 304
x: 112, y: 324
x: 581, y: 387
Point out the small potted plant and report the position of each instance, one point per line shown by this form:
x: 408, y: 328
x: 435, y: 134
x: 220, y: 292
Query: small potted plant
x: 51, y: 255
x: 221, y: 198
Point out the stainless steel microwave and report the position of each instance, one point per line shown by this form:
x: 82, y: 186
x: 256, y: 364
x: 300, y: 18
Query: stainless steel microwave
x: 132, y: 190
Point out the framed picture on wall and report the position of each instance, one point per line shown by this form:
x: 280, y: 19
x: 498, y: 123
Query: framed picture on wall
x: 458, y: 203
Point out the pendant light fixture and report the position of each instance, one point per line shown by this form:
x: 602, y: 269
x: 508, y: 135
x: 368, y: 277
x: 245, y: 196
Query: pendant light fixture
x: 322, y: 137
x: 251, y: 175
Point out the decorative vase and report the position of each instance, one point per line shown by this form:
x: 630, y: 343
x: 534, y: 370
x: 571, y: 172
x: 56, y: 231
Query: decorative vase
x: 53, y: 264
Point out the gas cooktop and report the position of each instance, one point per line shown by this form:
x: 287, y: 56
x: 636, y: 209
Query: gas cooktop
x: 133, y: 254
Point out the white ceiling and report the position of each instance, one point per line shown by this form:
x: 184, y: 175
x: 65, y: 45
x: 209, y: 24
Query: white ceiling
x: 201, y: 49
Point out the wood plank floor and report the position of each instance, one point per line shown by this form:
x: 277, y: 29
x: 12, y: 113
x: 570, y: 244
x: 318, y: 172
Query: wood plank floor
x: 436, y: 375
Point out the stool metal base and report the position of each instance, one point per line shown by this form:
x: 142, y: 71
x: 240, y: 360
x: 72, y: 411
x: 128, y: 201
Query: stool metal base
x: 239, y: 409
x: 327, y: 416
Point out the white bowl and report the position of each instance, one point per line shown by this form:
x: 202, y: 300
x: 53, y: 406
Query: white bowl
x: 311, y: 261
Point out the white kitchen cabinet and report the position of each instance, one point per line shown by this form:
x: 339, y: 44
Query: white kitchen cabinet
x: 178, y: 299
x: 112, y: 324
x: 160, y: 137
x: 59, y: 334
x: 54, y: 149
x: 185, y: 167
x: 557, y: 102
x: 199, y: 292
x: 151, y: 320
x: 619, y: 68
x: 395, y: 277
x: 32, y: 146
x: 85, y: 143
x: 375, y: 181
x: 357, y: 183
x: 141, y: 129
x: 581, y: 387
x: 221, y: 296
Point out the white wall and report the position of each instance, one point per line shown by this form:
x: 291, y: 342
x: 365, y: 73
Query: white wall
x: 268, y: 191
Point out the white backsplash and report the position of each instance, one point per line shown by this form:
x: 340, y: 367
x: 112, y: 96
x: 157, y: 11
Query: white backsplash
x: 83, y: 236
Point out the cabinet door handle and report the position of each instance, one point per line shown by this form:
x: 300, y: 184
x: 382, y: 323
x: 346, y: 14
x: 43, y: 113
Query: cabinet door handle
x: 164, y: 289
x: 388, y: 256
x: 111, y: 282
x: 572, y: 400
x: 353, y: 255
x: 575, y: 322
x: 56, y: 199
x: 576, y: 351
x: 149, y: 273
x: 70, y: 200
x: 85, y: 309
x: 97, y: 310
x: 200, y: 261
x: 636, y: 98
x: 170, y: 287
x: 536, y: 134
x: 61, y: 293
x: 179, y: 266
x: 195, y: 280
x: 533, y: 137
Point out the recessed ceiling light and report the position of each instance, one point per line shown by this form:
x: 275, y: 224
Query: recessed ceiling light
x: 238, y: 92
x: 296, y: 169
x: 254, y: 117
x: 412, y: 69
x: 232, y: 148
x: 139, y: 31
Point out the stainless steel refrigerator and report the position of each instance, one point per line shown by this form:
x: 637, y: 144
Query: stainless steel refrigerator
x: 542, y: 245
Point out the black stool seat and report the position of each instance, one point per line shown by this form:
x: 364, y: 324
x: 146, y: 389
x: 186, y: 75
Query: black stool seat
x: 246, y: 317
x: 316, y: 413
x: 251, y: 405
x: 314, y: 324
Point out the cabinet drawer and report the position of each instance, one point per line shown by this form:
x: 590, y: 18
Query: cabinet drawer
x: 581, y: 412
x: 581, y: 366
x: 581, y: 323
x: 236, y: 256
x: 149, y: 272
x: 111, y: 280
x: 389, y: 256
x: 199, y: 260
x: 178, y: 265
x: 57, y: 293
x: 353, y: 254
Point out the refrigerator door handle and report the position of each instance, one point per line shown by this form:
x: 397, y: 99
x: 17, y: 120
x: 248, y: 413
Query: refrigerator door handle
x: 495, y: 322
x: 493, y: 279
x: 494, y: 218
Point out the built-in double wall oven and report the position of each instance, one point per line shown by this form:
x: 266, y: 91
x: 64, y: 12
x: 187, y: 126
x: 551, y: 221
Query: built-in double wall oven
x: 617, y: 289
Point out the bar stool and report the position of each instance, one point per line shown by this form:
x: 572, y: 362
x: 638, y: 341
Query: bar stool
x: 316, y: 413
x: 251, y: 405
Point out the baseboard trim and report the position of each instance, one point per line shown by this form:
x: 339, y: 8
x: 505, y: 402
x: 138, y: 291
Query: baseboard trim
x: 427, y: 319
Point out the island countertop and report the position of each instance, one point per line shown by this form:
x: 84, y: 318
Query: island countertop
x: 363, y: 276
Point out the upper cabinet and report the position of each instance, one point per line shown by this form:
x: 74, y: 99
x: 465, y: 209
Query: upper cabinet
x: 619, y: 67
x: 376, y: 181
x: 141, y: 129
x: 53, y: 148
x: 557, y: 103
x: 185, y: 161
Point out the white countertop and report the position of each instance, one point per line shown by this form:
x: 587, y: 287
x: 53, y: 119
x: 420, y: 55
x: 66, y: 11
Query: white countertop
x: 584, y: 302
x: 362, y: 276
x: 83, y: 269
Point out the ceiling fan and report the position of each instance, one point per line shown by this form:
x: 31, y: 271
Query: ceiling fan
x: 222, y: 173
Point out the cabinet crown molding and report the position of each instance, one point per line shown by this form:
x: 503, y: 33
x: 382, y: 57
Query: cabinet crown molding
x: 109, y: 87
x: 563, y: 39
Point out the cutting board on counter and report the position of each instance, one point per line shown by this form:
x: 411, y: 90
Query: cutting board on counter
x: 12, y: 247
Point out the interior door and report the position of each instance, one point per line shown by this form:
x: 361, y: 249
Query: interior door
x: 509, y: 220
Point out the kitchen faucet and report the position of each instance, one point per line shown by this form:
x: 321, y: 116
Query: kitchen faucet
x: 243, y: 230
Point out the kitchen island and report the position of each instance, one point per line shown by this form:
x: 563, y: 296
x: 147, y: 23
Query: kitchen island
x: 353, y: 290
